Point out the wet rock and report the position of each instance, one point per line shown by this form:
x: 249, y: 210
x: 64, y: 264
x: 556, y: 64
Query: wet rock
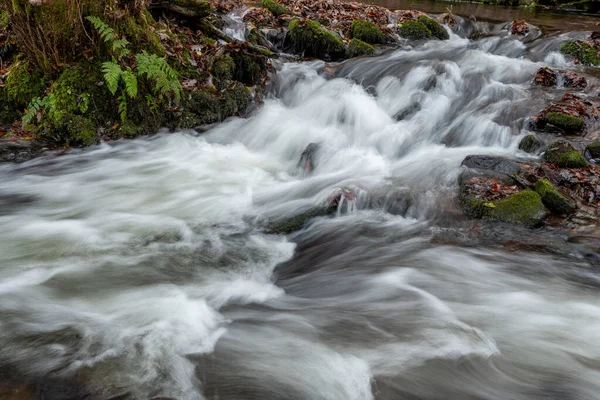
x: 573, y: 80
x: 19, y: 150
x: 310, y: 38
x: 593, y: 149
x: 545, y: 77
x: 564, y: 155
x: 487, y: 199
x: 357, y: 48
x: 414, y: 30
x: 553, y: 199
x: 307, y: 158
x: 530, y: 144
x: 492, y: 163
x: 519, y: 27
x: 582, y: 52
x: 568, y: 115
x: 437, y: 30
x: 367, y: 32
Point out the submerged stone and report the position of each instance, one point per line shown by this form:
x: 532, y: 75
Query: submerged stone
x: 564, y: 155
x: 553, y: 199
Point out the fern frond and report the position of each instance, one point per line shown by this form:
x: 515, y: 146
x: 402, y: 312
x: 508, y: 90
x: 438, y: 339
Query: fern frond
x: 119, y: 46
x: 131, y: 83
x: 123, y: 107
x: 112, y: 74
x: 156, y: 69
x: 32, y: 110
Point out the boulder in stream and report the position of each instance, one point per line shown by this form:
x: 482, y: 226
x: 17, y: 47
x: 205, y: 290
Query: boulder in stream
x: 553, y: 199
x: 564, y: 155
x: 530, y: 144
x: 568, y: 116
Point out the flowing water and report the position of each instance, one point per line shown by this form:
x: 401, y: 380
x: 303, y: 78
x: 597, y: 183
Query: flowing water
x: 141, y: 269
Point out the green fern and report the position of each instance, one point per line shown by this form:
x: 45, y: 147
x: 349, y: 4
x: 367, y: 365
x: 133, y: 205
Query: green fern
x: 123, y: 107
x: 131, y: 83
x: 156, y: 69
x: 33, y: 108
x: 112, y: 75
x: 108, y: 34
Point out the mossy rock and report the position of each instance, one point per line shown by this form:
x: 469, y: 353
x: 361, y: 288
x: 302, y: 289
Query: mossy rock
x: 81, y: 131
x: 311, y: 39
x: 524, y: 207
x: 594, y: 149
x: 23, y: 84
x: 564, y: 155
x: 192, y: 8
x: 581, y: 51
x: 223, y: 69
x: 415, y: 30
x: 249, y: 67
x: 137, y: 29
x: 566, y: 122
x: 530, y: 144
x: 436, y: 29
x: 275, y: 8
x: 366, y: 31
x: 358, y: 48
x: 552, y: 198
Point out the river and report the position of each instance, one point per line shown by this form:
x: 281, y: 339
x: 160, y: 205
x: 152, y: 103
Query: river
x: 139, y: 268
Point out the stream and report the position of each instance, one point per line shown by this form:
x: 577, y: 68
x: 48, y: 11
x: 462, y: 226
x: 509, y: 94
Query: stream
x: 140, y: 268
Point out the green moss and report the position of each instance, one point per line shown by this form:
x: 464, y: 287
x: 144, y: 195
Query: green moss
x: 530, y: 144
x: 275, y: 8
x: 366, y: 31
x: 436, y: 29
x: 23, y: 84
x: 581, y: 51
x: 223, y: 69
x: 236, y: 100
x: 359, y: 48
x: 552, y: 198
x: 130, y: 129
x: 565, y: 122
x: 195, y: 8
x: 309, y: 37
x: 138, y: 32
x: 415, y: 30
x: 249, y: 68
x: 524, y: 207
x: 564, y: 155
x: 594, y: 149
x: 81, y: 131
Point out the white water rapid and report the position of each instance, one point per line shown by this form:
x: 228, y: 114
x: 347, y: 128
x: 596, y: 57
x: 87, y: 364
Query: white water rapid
x: 140, y: 268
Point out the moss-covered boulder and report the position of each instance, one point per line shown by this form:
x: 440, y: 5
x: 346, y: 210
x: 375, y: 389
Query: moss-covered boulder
x: 275, y: 8
x: 414, y: 30
x: 564, y: 155
x: 593, y: 149
x: 358, y: 48
x: 23, y: 84
x: 530, y: 144
x: 568, y: 123
x: 310, y: 38
x: 525, y: 208
x: 366, y: 31
x: 249, y: 67
x: 189, y: 8
x: 581, y: 51
x: 223, y: 69
x: 436, y: 29
x: 553, y: 199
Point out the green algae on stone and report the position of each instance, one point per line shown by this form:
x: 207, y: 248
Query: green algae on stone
x: 436, y: 29
x: 566, y: 122
x: 275, y: 8
x: 564, y: 155
x: 358, y: 48
x: 594, y: 149
x: 23, y: 84
x: 414, y: 30
x: 309, y: 37
x: 581, y: 51
x: 524, y: 207
x: 552, y: 198
x: 366, y: 31
x: 530, y: 144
